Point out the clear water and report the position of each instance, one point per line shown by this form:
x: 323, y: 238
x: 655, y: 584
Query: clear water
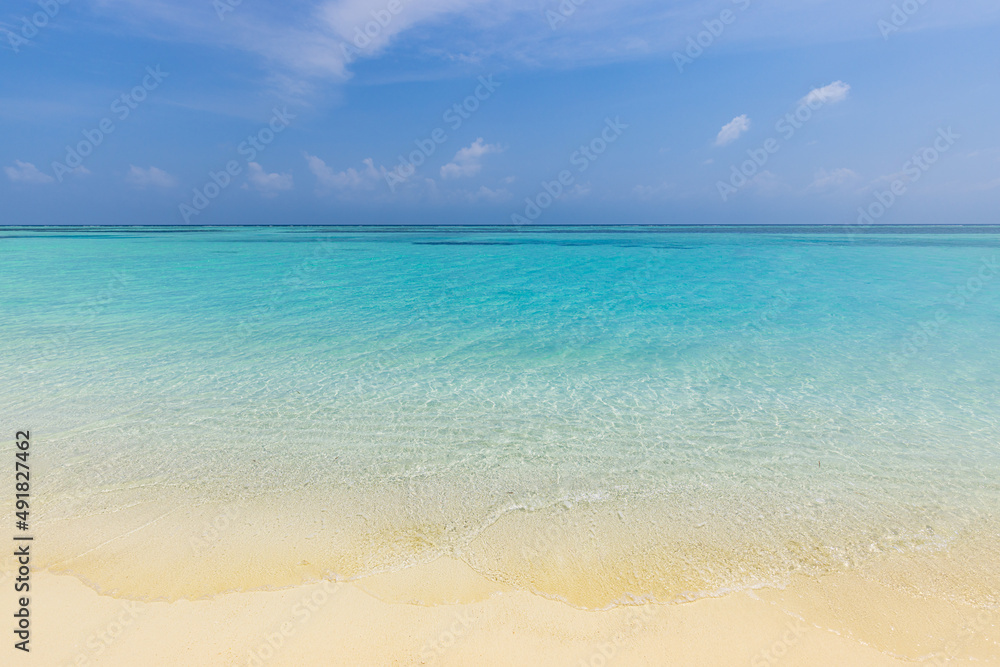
x: 595, y: 414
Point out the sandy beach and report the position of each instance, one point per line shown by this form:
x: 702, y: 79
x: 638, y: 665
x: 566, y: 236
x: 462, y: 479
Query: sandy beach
x: 446, y: 614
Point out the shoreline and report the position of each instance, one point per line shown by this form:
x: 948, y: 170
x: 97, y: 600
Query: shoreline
x: 593, y: 557
x: 446, y: 614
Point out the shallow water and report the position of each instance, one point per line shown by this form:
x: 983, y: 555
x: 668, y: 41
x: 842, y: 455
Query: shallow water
x: 592, y: 414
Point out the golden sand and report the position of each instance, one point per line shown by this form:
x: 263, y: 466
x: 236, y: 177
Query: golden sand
x: 446, y: 614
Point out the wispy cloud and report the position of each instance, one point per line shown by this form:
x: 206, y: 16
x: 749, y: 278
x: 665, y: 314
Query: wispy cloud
x: 828, y: 180
x: 991, y: 185
x: 768, y: 183
x: 369, y: 26
x: 268, y: 184
x: 320, y: 38
x: 649, y: 191
x: 488, y: 195
x: 152, y: 176
x: 350, y: 179
x: 732, y: 130
x: 830, y: 94
x: 468, y: 160
x: 26, y: 172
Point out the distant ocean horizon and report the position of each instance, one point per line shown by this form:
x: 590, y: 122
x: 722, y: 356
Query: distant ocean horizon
x: 598, y: 414
x: 879, y: 228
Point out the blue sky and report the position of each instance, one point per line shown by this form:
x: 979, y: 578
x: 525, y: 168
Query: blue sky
x: 499, y: 111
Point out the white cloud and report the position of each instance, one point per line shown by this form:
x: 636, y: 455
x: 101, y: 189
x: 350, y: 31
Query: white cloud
x: 486, y: 194
x: 348, y: 180
x: 468, y: 160
x: 768, y: 183
x: 906, y: 176
x: 25, y: 172
x: 307, y: 39
x: 648, y: 191
x: 153, y: 176
x: 826, y: 180
x: 268, y: 184
x: 290, y: 42
x: 732, y: 130
x: 368, y: 26
x: 317, y: 38
x: 831, y: 94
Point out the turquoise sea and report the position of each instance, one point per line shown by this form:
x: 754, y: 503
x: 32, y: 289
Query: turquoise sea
x: 594, y: 414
